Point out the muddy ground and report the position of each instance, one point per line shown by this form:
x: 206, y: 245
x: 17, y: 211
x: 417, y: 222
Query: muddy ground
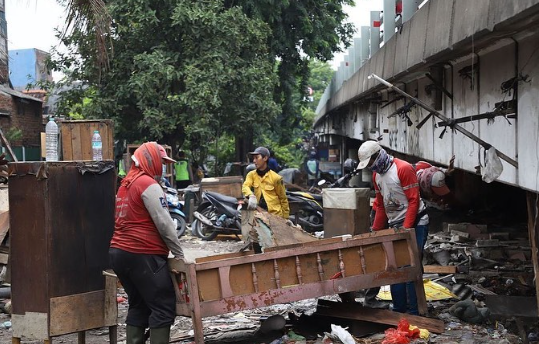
x: 243, y: 327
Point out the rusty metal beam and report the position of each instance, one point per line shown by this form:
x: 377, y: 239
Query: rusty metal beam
x: 433, y: 112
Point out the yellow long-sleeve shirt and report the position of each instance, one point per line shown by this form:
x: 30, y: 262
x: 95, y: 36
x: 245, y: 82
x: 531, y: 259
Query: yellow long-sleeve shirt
x: 270, y: 185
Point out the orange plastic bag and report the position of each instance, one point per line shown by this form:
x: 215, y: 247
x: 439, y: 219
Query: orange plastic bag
x: 402, y: 334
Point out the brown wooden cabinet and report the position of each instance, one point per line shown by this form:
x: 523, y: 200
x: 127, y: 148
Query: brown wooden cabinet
x: 76, y: 138
x: 62, y: 220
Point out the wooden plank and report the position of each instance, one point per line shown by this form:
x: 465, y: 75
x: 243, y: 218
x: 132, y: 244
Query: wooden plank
x: 76, y: 143
x: 532, y: 200
x: 8, y: 146
x: 67, y: 141
x: 66, y: 315
x: 381, y: 316
x: 4, y: 258
x: 4, y: 225
x: 438, y: 269
x: 85, y: 142
x: 110, y: 317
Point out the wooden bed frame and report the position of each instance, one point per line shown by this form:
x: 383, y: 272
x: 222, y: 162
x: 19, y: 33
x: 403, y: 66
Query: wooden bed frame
x: 239, y: 281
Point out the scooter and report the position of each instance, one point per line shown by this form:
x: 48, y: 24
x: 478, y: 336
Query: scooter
x: 217, y: 214
x: 175, y: 209
x: 309, y: 214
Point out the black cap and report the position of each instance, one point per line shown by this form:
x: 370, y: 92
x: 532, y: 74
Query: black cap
x: 261, y: 150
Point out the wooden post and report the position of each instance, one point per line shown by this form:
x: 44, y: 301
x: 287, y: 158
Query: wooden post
x: 533, y: 231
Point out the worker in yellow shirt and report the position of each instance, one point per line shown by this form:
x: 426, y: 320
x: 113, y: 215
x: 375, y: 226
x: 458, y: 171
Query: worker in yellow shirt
x: 264, y: 187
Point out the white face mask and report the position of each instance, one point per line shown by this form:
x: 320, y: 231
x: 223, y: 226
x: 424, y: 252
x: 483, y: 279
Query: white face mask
x: 164, y: 172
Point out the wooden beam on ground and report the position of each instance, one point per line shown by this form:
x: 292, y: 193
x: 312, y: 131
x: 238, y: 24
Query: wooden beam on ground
x: 532, y: 199
x: 438, y: 269
x: 380, y: 316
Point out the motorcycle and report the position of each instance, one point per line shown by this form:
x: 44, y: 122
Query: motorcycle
x: 217, y: 214
x: 309, y: 211
x: 175, y: 209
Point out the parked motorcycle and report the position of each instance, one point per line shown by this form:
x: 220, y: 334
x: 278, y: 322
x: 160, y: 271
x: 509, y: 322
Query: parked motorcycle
x: 310, y: 213
x: 217, y: 214
x: 175, y: 209
x: 308, y: 210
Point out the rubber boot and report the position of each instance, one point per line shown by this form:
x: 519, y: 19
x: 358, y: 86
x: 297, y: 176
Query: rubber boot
x: 370, y: 299
x: 135, y: 335
x: 160, y: 335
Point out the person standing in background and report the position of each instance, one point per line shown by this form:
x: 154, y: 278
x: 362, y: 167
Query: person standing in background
x: 312, y: 166
x: 182, y: 172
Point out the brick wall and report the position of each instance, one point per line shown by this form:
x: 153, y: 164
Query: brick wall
x: 24, y: 115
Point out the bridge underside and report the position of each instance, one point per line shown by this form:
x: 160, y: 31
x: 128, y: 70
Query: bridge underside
x: 474, y: 62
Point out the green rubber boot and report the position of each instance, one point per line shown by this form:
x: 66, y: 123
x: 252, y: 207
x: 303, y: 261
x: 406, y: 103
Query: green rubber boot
x: 160, y: 335
x: 135, y: 335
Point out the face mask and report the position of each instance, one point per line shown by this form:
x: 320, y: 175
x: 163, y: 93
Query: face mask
x: 164, y: 172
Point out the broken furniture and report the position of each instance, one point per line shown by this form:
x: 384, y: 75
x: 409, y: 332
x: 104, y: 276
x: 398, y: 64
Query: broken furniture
x: 240, y: 281
x: 62, y: 220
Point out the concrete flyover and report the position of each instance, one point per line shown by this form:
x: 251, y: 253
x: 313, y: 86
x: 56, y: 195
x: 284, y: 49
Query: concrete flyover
x: 475, y: 62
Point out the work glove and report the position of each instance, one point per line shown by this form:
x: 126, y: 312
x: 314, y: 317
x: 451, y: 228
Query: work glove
x: 251, y: 205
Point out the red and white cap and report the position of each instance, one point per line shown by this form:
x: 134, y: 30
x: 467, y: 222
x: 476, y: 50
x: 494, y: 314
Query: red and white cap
x: 438, y: 184
x: 164, y: 155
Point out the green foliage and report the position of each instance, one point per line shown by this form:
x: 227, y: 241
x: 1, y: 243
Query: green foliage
x: 182, y: 71
x: 13, y: 134
x: 199, y: 73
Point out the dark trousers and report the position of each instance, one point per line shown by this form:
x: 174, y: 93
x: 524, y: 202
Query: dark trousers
x: 182, y: 184
x: 148, y: 284
x: 403, y: 295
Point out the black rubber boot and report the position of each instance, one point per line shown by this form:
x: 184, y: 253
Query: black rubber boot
x: 135, y: 335
x: 160, y: 335
x: 370, y: 299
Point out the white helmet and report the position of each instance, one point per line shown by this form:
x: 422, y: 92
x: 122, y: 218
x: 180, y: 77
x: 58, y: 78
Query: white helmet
x: 364, y: 153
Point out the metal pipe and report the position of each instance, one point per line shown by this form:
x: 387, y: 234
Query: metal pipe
x: 433, y: 111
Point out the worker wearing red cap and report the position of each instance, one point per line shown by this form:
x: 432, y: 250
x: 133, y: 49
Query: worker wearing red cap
x: 144, y: 233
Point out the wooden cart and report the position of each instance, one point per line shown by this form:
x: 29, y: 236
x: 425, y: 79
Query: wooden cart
x: 236, y: 282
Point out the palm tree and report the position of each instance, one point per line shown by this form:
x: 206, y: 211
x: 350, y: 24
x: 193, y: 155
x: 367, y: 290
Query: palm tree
x: 91, y: 17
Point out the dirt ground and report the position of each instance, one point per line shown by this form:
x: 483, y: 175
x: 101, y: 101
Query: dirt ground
x: 242, y: 327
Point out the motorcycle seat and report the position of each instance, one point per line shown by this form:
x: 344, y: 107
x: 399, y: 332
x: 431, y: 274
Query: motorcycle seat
x: 222, y: 198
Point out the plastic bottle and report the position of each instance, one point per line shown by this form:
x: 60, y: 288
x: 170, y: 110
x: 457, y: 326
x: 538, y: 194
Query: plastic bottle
x: 51, y: 141
x: 97, y: 146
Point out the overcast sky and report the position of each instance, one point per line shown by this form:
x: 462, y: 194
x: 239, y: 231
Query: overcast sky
x: 31, y: 23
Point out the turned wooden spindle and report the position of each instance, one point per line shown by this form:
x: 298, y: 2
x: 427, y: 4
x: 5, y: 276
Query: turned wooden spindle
x: 320, y: 268
x: 276, y: 269
x: 362, y: 259
x: 298, y: 270
x: 341, y: 264
x: 255, y: 276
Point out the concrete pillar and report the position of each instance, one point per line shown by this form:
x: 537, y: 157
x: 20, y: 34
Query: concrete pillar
x: 346, y: 67
x: 365, y: 44
x: 375, y: 32
x: 351, y: 61
x: 409, y: 7
x: 357, y: 57
x: 389, y: 19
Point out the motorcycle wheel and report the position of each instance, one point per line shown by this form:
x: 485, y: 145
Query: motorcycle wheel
x: 180, y: 223
x: 203, y: 231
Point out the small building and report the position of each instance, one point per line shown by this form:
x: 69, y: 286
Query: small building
x: 22, y: 112
x: 27, y: 66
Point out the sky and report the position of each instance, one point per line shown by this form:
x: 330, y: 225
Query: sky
x: 32, y: 23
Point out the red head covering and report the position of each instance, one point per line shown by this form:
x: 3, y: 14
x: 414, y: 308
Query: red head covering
x: 146, y: 160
